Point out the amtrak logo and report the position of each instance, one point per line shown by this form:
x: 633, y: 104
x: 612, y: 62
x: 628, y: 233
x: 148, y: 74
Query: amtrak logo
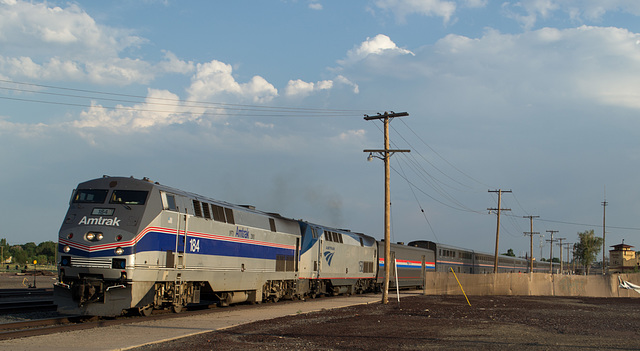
x: 114, y: 222
x: 328, y: 255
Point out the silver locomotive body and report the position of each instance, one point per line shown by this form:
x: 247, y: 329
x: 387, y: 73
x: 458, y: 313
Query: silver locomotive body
x: 133, y: 244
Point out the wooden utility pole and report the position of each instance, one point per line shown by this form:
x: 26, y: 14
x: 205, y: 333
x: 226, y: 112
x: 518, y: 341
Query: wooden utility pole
x: 568, y: 261
x: 531, y: 233
x: 560, y: 245
x: 498, y: 210
x: 385, y: 154
x: 551, y: 253
x: 604, y: 233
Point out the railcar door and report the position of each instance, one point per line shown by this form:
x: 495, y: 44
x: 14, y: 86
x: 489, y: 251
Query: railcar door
x: 181, y: 241
x: 318, y: 267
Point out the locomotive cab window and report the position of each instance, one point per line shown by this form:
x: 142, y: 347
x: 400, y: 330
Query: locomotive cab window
x: 129, y: 197
x: 92, y: 196
x: 169, y: 202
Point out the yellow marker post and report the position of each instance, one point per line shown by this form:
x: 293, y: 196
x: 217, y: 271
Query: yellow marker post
x: 465, y: 295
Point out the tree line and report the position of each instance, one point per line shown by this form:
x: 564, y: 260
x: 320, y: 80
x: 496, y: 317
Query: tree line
x: 585, y: 251
x: 20, y: 255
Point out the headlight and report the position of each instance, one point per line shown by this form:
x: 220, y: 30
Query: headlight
x: 70, y: 235
x: 94, y: 236
x: 119, y: 251
x: 66, y: 249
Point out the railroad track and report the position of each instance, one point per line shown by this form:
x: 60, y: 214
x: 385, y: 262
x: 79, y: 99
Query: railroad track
x: 26, y: 300
x: 72, y: 323
x: 7, y: 293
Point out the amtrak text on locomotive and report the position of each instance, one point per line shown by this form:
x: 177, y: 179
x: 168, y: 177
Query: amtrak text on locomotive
x: 114, y: 222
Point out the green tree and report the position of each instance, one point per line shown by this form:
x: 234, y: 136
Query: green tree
x: 587, y: 249
x: 509, y: 253
x: 46, y: 248
x: 30, y: 248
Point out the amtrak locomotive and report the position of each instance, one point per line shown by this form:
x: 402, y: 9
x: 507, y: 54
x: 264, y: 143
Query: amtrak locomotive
x: 134, y: 245
x: 131, y: 244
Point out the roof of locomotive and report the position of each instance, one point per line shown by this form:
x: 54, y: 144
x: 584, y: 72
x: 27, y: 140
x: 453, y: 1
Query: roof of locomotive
x: 131, y: 182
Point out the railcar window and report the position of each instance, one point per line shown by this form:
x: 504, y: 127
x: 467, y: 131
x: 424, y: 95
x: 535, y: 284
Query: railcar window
x: 314, y: 233
x: 272, y: 224
x: 205, y: 210
x: 340, y: 238
x: 229, y: 213
x: 171, y: 202
x: 90, y: 196
x: 197, y: 208
x: 129, y: 197
x: 328, y: 236
x: 218, y: 213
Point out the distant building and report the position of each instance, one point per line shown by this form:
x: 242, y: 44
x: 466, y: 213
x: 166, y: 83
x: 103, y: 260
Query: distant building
x: 623, y: 259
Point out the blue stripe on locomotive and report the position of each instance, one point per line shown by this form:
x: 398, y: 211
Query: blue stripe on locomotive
x: 156, y: 241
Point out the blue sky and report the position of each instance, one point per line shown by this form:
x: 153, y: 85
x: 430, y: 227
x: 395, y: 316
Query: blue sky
x: 261, y: 102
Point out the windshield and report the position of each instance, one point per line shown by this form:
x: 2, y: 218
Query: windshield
x: 129, y: 197
x: 90, y: 196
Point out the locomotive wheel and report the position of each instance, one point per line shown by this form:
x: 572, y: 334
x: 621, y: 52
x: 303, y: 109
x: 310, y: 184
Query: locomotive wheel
x: 176, y: 308
x: 145, y: 311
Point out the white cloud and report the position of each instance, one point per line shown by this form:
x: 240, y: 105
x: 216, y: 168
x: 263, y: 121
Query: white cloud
x: 301, y: 88
x: 352, y: 136
x: 65, y: 43
x: 340, y: 79
x: 380, y: 45
x: 22, y: 130
x: 403, y: 8
x: 315, y: 6
x: 215, y: 79
x: 547, y: 66
x: 475, y: 3
x: 529, y: 12
x: 174, y: 65
x: 160, y: 108
x: 64, y: 32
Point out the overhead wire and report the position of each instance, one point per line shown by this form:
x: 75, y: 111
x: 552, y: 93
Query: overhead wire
x: 435, y: 184
x: 444, y: 159
x: 424, y: 214
x: 266, y: 111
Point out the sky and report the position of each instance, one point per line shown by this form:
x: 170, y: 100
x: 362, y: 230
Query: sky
x: 262, y: 103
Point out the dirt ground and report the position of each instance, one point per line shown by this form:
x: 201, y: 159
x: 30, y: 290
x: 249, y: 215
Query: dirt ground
x: 441, y: 322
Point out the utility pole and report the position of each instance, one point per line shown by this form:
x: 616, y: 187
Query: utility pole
x: 604, y: 246
x: 531, y: 233
x: 560, y: 245
x: 385, y: 154
x: 498, y: 210
x: 568, y: 261
x: 551, y: 254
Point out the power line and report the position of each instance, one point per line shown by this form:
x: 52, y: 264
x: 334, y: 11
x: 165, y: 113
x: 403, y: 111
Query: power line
x: 444, y: 159
x: 279, y: 111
